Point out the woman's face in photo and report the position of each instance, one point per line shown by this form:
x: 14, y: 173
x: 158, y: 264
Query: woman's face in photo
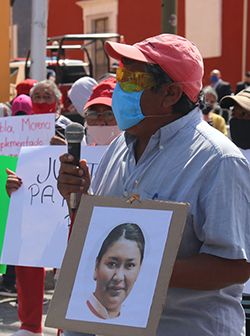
x: 116, y: 273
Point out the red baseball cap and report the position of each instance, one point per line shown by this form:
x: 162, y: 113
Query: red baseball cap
x: 102, y: 93
x: 25, y: 86
x: 177, y: 56
x: 22, y: 103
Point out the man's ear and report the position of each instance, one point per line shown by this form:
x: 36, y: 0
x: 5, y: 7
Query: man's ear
x: 171, y: 94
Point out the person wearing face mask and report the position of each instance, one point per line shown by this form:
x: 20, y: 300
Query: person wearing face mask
x: 211, y: 110
x: 23, y: 88
x: 21, y: 105
x: 45, y: 98
x: 168, y: 150
x: 222, y: 89
x: 240, y: 122
x: 240, y: 134
x: 100, y: 122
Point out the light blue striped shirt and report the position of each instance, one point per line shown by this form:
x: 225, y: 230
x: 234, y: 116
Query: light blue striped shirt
x: 190, y: 161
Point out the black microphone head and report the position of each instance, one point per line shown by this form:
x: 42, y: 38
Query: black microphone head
x: 74, y: 133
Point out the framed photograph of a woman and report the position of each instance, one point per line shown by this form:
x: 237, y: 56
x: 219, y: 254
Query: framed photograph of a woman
x: 116, y: 267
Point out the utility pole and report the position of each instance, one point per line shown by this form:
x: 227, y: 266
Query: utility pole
x: 169, y: 16
x: 38, y: 39
x: 5, y: 51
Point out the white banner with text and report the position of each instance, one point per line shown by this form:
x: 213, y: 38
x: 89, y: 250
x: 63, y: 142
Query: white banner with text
x: 38, y: 221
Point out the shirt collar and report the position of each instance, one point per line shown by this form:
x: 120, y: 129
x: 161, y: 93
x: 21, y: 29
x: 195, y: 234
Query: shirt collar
x: 169, y: 131
x: 99, y: 308
x: 165, y: 133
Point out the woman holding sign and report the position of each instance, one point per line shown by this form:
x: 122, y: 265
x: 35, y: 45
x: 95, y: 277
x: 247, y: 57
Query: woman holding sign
x: 102, y: 129
x: 45, y: 98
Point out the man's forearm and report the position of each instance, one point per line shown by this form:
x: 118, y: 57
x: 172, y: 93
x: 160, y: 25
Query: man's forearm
x: 207, y: 272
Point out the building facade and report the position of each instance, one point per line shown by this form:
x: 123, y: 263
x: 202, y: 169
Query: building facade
x: 220, y: 28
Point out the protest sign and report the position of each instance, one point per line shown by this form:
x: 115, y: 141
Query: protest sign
x: 37, y: 227
x: 5, y: 162
x: 32, y: 130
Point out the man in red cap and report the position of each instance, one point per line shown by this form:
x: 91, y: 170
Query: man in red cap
x: 100, y: 123
x: 168, y: 152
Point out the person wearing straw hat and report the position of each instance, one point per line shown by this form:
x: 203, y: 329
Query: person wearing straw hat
x: 239, y: 124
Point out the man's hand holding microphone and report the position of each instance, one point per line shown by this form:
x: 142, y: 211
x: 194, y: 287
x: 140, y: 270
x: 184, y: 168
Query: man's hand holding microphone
x: 74, y: 178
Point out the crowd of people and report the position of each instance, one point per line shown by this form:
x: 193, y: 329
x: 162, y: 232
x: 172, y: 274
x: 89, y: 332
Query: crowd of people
x: 157, y: 113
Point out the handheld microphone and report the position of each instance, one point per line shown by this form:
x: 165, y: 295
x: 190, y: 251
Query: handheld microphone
x: 74, y: 133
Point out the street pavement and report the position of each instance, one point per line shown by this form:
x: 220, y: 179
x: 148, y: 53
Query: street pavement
x: 9, y: 322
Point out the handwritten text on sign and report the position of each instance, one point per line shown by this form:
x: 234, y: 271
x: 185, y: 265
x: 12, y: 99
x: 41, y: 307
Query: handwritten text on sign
x: 18, y: 131
x: 38, y: 215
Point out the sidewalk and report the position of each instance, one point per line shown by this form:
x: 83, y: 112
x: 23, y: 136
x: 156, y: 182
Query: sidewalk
x: 8, y: 311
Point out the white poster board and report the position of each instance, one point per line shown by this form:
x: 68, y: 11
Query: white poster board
x: 32, y: 130
x: 37, y: 227
x: 117, y: 266
x: 84, y: 284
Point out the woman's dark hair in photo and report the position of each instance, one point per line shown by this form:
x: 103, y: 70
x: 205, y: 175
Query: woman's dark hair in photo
x: 128, y: 231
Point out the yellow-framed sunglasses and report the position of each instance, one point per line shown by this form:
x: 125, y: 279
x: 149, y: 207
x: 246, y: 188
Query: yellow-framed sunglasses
x: 131, y: 81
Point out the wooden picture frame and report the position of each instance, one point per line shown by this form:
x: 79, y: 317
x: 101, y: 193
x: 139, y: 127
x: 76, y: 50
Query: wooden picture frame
x: 142, y: 298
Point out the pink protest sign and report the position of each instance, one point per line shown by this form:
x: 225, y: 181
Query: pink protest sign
x: 19, y: 131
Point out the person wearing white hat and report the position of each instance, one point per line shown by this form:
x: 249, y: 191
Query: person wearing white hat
x: 80, y: 92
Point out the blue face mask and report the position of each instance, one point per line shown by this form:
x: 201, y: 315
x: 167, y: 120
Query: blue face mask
x: 214, y: 79
x: 126, y: 107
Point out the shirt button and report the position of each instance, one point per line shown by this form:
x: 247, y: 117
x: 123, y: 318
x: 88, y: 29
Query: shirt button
x: 161, y: 147
x: 125, y: 193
